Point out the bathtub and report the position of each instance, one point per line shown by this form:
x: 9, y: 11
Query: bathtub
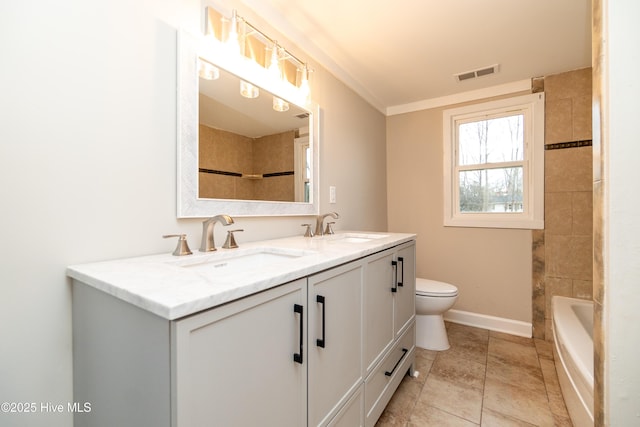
x: 573, y: 351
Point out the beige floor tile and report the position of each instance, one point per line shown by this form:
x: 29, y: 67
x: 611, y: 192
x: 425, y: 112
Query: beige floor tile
x: 452, y: 368
x: 430, y: 416
x: 525, y: 377
x: 511, y: 338
x: 544, y: 349
x: 495, y: 419
x: 455, y: 398
x: 423, y: 363
x: 486, y: 378
x: 517, y: 402
x: 554, y: 393
x: 404, y: 399
x: 513, y: 353
x: 388, y: 419
x: 469, y: 343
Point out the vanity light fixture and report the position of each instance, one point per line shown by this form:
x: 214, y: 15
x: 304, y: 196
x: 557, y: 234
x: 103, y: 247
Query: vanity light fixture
x: 280, y: 105
x: 248, y: 90
x: 207, y: 71
x: 269, y: 73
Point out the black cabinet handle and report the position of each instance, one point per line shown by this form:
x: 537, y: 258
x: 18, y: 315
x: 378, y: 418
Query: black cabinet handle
x: 394, y: 286
x: 404, y: 353
x: 320, y: 300
x: 401, y: 260
x: 297, y: 308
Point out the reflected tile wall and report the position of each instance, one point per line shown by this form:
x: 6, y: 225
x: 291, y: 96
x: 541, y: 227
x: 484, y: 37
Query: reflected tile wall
x: 563, y: 251
x: 224, y: 151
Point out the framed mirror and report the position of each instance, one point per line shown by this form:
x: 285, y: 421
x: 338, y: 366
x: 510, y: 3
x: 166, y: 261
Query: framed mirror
x: 236, y: 155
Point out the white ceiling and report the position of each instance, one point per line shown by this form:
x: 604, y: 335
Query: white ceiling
x: 398, y: 52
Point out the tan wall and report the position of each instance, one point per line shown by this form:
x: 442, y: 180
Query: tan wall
x: 490, y: 267
x: 563, y: 250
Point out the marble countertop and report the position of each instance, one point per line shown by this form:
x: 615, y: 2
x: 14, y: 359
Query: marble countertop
x: 173, y: 287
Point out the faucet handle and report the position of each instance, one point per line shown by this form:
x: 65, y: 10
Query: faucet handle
x: 230, y: 243
x: 329, y: 228
x: 183, y: 246
x: 308, y: 232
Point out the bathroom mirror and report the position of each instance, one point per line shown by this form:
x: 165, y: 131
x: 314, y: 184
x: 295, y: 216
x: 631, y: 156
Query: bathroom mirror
x: 239, y: 156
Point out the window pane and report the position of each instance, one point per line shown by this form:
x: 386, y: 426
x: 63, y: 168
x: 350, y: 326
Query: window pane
x: 491, y: 141
x: 491, y: 190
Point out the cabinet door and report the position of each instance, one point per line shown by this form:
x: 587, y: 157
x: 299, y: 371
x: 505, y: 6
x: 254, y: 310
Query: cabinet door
x: 234, y: 365
x: 378, y: 306
x: 405, y: 307
x: 335, y: 340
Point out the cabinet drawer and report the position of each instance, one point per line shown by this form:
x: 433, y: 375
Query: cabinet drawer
x: 383, y: 381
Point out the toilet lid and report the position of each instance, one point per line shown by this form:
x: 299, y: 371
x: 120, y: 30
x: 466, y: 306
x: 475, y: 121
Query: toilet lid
x: 433, y: 288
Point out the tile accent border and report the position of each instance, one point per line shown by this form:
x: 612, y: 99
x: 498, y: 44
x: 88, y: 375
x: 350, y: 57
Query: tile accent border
x: 492, y: 323
x: 572, y: 144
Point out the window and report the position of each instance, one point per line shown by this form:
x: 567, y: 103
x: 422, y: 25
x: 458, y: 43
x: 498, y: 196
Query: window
x: 494, y: 164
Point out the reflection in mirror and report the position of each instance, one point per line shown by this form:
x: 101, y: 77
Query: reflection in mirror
x: 247, y: 149
x: 275, y: 147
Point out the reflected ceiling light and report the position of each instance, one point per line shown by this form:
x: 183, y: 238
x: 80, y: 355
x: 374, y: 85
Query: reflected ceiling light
x: 280, y: 104
x: 248, y: 90
x: 207, y: 71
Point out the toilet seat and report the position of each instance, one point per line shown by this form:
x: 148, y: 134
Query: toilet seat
x: 433, y: 288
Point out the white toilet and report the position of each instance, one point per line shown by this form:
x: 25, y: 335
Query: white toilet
x: 433, y: 298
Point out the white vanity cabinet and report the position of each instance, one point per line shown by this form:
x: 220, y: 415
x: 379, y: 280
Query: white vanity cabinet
x: 389, y: 324
x: 243, y: 364
x: 335, y: 340
x: 326, y: 349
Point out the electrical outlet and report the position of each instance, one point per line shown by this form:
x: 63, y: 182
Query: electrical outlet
x: 332, y: 194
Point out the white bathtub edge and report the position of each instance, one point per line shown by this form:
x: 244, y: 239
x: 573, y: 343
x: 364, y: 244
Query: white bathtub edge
x: 574, y: 374
x: 498, y: 324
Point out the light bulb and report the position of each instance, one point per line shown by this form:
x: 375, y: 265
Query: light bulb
x: 248, y: 90
x: 305, y: 90
x: 232, y: 42
x: 207, y: 71
x: 280, y: 104
x: 274, y: 65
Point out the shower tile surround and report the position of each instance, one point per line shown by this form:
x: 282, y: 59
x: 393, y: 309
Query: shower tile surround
x: 562, y: 261
x: 486, y: 378
x: 235, y: 154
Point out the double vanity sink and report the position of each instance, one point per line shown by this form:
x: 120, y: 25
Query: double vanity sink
x: 300, y: 331
x: 173, y: 287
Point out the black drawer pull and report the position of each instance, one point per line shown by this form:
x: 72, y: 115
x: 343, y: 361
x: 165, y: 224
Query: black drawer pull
x: 320, y: 300
x: 394, y: 286
x: 401, y: 260
x: 297, y: 308
x: 404, y: 353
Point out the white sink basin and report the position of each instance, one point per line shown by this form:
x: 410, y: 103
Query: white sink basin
x: 356, y: 237
x: 241, y: 261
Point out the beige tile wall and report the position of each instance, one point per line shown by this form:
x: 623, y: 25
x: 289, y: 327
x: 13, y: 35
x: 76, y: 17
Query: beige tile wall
x: 230, y: 152
x: 562, y: 252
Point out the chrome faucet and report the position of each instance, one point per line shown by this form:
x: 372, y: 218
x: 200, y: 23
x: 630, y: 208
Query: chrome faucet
x: 320, y: 220
x: 208, y: 244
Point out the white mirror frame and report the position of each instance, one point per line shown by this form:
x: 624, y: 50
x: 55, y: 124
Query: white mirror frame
x: 189, y: 205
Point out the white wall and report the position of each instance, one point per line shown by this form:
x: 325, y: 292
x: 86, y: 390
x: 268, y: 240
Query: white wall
x: 622, y: 214
x: 87, y: 165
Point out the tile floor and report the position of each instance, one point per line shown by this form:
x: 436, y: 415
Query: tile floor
x: 485, y: 379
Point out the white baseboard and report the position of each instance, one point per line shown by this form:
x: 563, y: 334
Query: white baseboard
x: 498, y: 324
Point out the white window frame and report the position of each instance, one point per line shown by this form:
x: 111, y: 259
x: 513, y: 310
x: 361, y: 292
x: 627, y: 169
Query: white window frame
x: 532, y: 217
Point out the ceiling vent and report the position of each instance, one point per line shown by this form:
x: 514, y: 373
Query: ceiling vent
x: 485, y: 71
x: 302, y: 115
